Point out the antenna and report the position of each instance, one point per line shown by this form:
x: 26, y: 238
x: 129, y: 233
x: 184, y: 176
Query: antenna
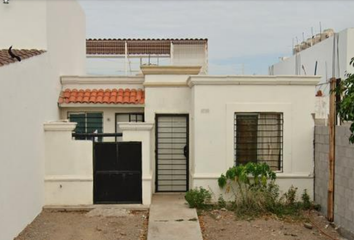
x: 303, y: 36
x: 320, y: 27
x: 312, y: 32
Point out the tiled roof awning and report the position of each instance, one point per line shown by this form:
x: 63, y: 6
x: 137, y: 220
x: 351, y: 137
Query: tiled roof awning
x: 108, y: 96
x: 135, y: 46
x: 5, y: 57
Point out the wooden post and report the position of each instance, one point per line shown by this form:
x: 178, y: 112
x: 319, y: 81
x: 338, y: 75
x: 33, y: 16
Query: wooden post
x: 331, y: 155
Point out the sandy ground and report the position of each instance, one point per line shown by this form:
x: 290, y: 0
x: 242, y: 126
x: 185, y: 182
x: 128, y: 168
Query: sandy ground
x: 105, y: 224
x: 223, y: 225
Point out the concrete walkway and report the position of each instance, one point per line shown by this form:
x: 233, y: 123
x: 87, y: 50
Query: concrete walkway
x: 171, y: 219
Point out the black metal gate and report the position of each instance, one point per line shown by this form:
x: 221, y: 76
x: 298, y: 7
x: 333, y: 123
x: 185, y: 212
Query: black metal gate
x: 172, y: 153
x: 117, y: 172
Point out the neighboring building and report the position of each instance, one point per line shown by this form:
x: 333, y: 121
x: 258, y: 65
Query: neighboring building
x: 51, y: 35
x: 125, y: 56
x: 326, y: 55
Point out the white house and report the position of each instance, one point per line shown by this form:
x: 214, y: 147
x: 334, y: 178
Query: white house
x: 193, y: 128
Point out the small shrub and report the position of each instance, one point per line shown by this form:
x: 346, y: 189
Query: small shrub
x: 198, y: 197
x: 290, y: 195
x: 256, y: 193
x: 306, y: 200
x: 221, y: 202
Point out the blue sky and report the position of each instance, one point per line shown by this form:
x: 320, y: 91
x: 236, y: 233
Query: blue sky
x: 250, y: 33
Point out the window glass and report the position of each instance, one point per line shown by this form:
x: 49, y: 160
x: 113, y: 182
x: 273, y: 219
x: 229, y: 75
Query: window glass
x: 259, y: 138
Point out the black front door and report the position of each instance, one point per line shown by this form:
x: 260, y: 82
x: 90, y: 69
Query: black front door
x: 172, y: 153
x: 117, y: 172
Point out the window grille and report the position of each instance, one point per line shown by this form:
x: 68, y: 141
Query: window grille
x: 87, y: 122
x: 259, y: 139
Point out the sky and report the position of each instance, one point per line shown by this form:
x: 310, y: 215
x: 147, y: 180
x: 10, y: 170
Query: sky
x: 253, y: 34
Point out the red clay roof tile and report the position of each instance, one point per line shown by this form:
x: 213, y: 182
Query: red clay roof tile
x: 5, y: 58
x: 107, y: 96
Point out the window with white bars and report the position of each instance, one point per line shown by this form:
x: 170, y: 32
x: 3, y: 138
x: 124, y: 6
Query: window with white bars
x: 259, y: 139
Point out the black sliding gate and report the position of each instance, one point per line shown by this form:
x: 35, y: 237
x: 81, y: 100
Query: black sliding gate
x: 117, y: 172
x: 172, y: 153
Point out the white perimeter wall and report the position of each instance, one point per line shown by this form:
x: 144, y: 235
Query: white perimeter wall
x: 322, y: 53
x: 29, y: 95
x: 213, y: 128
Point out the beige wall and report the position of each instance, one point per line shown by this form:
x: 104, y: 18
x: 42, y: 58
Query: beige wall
x: 215, y: 105
x: 68, y: 171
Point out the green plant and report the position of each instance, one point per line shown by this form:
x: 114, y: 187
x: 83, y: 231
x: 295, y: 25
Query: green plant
x: 221, y: 202
x: 290, y: 195
x: 198, y: 197
x: 346, y: 106
x: 252, y: 186
x: 306, y: 200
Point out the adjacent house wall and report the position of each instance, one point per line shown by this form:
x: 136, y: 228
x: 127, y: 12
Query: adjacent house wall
x: 28, y: 92
x: 23, y: 24
x: 29, y: 95
x: 344, y: 181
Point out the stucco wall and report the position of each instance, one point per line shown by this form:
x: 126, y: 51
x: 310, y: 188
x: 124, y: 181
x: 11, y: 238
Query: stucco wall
x: 23, y: 24
x: 213, y: 127
x: 68, y: 166
x: 344, y: 181
x: 29, y: 94
x: 28, y: 98
x: 166, y: 94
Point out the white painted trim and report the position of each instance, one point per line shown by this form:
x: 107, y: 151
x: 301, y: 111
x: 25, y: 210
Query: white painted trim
x: 59, y: 126
x: 166, y: 84
x: 170, y: 70
x: 100, y: 105
x: 253, y: 80
x: 279, y: 175
x: 68, y: 178
x: 147, y: 178
x: 136, y: 126
x: 100, y: 80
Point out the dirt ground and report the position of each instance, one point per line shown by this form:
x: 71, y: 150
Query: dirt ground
x: 105, y: 224
x: 223, y: 225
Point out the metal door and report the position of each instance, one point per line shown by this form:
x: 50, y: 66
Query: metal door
x: 172, y: 153
x: 117, y: 172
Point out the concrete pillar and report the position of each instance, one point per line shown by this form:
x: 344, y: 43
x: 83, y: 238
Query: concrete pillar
x: 68, y: 166
x: 141, y: 132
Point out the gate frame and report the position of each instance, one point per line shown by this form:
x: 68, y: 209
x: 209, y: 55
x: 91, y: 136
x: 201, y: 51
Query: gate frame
x: 157, y: 115
x: 115, y: 135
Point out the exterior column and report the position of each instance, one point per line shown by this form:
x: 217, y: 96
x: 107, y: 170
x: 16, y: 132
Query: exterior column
x: 68, y: 171
x: 141, y: 132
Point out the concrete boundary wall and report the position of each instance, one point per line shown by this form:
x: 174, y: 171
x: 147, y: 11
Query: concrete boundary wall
x: 344, y: 177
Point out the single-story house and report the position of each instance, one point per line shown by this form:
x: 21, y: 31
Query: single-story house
x: 180, y: 130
